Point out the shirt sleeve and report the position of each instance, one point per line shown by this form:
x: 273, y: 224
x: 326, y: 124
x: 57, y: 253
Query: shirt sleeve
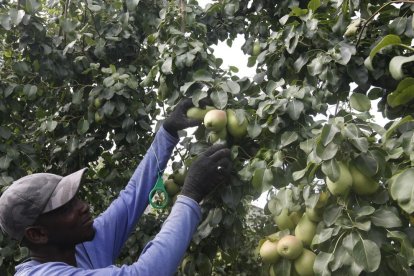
x: 161, y: 256
x: 115, y: 224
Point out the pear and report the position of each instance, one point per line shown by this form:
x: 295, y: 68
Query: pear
x: 283, y: 220
x: 362, y: 184
x: 214, y: 136
x: 268, y: 252
x: 179, y: 176
x: 343, y: 184
x: 303, y: 265
x: 197, y: 112
x: 234, y: 127
x: 305, y: 230
x: 171, y: 187
x: 314, y: 214
x: 215, y: 120
x: 290, y: 247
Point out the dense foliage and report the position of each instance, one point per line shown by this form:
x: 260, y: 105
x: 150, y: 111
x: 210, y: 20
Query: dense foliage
x: 82, y: 83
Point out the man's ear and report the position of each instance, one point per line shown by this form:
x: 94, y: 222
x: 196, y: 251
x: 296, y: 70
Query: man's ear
x: 36, y: 234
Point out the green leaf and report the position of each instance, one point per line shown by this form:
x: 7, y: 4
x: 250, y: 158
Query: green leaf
x: 230, y: 9
x: 254, y: 130
x: 50, y: 125
x: 109, y: 81
x: 331, y: 214
x: 326, y: 152
x: 386, y: 41
x: 166, y: 67
x: 395, y: 66
x: 364, y: 211
x: 321, y: 265
x: 328, y: 134
x: 5, y: 132
x: 386, y: 218
x: 219, y: 99
x: 295, y: 109
x: 323, y: 236
x: 186, y: 86
x: 367, y: 254
x: 360, y: 102
x: 231, y: 87
x: 350, y: 241
x: 32, y: 6
x: 16, y: 16
x: 288, y: 138
x: 360, y: 143
x: 30, y: 90
x: 300, y: 62
x: 251, y: 61
x: 83, y: 126
x: 132, y: 4
x: 5, y: 162
x: 403, y: 94
x: 314, y: 5
x: 317, y: 64
x: 283, y: 267
x: 5, y: 22
x: 202, y: 75
x: 396, y: 124
x: 402, y: 190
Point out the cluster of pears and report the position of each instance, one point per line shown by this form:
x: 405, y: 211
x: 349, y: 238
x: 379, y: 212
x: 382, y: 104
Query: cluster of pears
x: 296, y: 246
x: 174, y: 182
x: 220, y: 123
x: 350, y: 177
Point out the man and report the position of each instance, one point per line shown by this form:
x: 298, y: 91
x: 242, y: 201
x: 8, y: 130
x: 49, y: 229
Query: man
x: 43, y: 211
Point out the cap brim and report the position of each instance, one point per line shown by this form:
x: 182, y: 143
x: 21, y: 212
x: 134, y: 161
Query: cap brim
x: 65, y: 190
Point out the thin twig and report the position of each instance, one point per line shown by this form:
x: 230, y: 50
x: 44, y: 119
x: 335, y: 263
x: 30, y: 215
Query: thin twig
x: 374, y: 14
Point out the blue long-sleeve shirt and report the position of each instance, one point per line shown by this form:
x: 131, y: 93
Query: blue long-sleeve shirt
x: 161, y: 256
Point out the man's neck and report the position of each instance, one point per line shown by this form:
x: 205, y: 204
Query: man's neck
x: 54, y: 254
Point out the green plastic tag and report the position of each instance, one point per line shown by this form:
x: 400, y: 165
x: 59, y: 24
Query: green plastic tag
x: 158, y: 197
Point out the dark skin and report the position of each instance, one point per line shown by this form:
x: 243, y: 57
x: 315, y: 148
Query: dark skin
x: 54, y: 235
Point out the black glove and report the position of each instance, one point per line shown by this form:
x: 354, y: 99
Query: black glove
x: 178, y: 119
x: 211, y: 168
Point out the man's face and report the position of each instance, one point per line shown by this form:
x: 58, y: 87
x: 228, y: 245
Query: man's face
x: 70, y: 224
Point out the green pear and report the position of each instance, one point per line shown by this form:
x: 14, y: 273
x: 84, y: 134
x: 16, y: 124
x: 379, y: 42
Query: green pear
x: 303, y: 265
x: 314, y: 214
x: 343, y: 184
x: 214, y: 136
x: 171, y: 187
x: 305, y: 230
x: 234, y: 127
x: 197, y: 112
x: 179, y: 176
x: 362, y: 184
x: 323, y: 199
x: 268, y: 252
x: 290, y: 247
x: 98, y: 117
x: 215, y: 120
x: 97, y: 103
x: 283, y: 220
x: 256, y: 48
x: 295, y: 217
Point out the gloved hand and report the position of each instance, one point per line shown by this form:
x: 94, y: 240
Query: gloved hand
x: 211, y: 168
x: 178, y: 119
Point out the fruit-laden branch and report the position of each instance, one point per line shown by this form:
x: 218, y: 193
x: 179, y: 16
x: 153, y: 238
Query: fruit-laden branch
x: 374, y: 14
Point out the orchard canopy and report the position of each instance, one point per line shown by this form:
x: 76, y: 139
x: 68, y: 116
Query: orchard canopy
x: 87, y: 83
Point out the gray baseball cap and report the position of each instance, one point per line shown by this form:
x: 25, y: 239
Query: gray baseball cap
x: 30, y: 196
